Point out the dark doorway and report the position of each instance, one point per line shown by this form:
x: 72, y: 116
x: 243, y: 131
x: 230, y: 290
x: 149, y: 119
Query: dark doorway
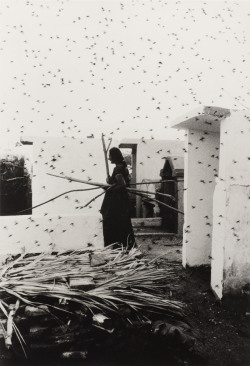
x: 129, y: 152
x: 172, y: 176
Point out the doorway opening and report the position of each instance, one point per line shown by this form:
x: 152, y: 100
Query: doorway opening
x: 129, y: 153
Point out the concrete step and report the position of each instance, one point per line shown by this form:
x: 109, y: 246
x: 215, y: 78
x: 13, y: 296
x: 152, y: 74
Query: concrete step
x: 154, y: 234
x: 147, y: 222
x: 150, y: 227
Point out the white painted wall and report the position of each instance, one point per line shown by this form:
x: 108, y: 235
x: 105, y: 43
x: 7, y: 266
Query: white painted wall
x: 225, y: 204
x: 150, y: 160
x: 77, y: 158
x: 150, y: 156
x: 235, y: 148
x: 62, y: 223
x: 237, y: 251
x: 231, y: 230
x: 218, y: 237
x: 73, y: 155
x: 35, y: 233
x: 201, y: 166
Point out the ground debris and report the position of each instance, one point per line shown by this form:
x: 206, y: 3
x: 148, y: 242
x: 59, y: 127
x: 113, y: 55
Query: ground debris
x: 217, y: 343
x: 87, y: 300
x: 75, y: 355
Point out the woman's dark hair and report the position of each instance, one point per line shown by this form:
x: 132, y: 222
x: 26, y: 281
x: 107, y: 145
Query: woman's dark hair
x: 117, y: 156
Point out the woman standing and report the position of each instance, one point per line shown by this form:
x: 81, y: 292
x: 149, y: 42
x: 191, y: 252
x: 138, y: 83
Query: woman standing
x: 117, y: 227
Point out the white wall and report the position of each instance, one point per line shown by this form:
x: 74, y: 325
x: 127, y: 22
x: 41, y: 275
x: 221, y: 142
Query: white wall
x: 226, y: 204
x: 218, y: 237
x: 201, y: 166
x: 231, y: 230
x: 150, y: 156
x: 73, y: 155
x: 77, y: 158
x: 63, y: 223
x: 237, y: 251
x: 150, y: 160
x: 35, y: 233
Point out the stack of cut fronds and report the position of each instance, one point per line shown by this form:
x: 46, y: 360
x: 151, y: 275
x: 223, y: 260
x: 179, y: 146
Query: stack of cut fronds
x: 110, y: 278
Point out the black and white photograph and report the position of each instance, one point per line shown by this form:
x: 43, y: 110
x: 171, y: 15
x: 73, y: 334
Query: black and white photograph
x: 124, y: 183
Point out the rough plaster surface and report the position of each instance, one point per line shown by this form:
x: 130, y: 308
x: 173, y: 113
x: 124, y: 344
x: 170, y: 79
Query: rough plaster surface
x: 217, y: 215
x: 231, y: 232
x: 64, y: 223
x: 40, y: 233
x: 237, y: 251
x: 80, y: 159
x: 201, y: 167
x: 219, y: 237
x: 150, y: 155
x: 231, y: 251
x: 235, y: 149
x: 150, y: 159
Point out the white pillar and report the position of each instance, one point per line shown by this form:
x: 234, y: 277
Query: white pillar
x: 231, y: 225
x: 200, y: 166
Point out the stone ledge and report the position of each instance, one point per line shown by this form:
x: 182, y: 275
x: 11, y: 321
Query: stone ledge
x: 155, y: 233
x: 147, y: 222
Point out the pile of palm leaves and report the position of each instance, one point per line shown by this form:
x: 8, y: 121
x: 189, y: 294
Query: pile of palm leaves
x: 102, y: 283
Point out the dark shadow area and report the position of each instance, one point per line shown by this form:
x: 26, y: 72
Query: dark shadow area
x: 15, y: 187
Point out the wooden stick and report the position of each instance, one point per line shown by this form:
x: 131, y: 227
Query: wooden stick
x: 159, y: 181
x: 109, y: 145
x: 16, y: 178
x: 132, y: 190
x: 81, y: 181
x: 93, y: 199
x: 170, y: 207
x: 148, y: 192
x: 105, y: 155
x: 101, y: 184
x: 13, y: 309
x: 108, y: 185
x: 52, y: 199
x: 161, y: 203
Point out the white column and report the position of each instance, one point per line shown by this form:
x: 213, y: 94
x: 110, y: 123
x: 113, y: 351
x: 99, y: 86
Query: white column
x: 200, y: 168
x: 231, y: 225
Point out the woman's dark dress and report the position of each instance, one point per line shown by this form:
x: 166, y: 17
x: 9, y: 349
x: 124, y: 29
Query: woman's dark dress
x: 117, y: 225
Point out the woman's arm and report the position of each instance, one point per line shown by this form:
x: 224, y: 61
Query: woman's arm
x: 120, y: 180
